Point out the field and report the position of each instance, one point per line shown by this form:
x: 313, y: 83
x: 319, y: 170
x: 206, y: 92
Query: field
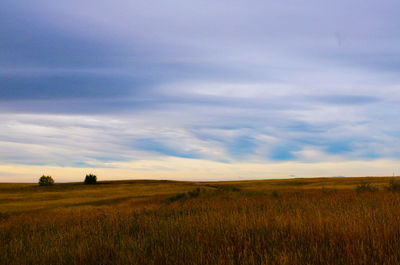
x: 296, y: 221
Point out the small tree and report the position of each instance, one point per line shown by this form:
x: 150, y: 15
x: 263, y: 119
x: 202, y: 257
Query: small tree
x: 90, y: 179
x: 46, y: 181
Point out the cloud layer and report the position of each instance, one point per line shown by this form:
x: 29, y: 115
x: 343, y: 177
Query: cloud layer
x: 96, y: 84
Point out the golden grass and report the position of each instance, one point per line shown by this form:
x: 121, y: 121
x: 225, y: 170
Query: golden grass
x: 298, y: 221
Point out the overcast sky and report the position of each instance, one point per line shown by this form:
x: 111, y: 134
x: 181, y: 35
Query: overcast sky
x: 199, y: 89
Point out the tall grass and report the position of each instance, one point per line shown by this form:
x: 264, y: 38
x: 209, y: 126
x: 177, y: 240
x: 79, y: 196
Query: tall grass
x: 214, y: 226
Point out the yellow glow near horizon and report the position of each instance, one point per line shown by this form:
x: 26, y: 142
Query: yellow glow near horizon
x: 196, y: 169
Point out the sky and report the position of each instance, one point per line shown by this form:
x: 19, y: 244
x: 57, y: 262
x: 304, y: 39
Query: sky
x: 199, y: 90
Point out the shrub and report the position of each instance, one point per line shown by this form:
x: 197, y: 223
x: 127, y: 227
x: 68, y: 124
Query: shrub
x: 394, y: 185
x: 177, y: 197
x: 275, y: 194
x: 90, y: 179
x: 230, y: 188
x: 365, y: 187
x: 194, y: 193
x: 46, y: 181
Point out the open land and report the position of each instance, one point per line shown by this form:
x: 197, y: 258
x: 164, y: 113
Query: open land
x: 293, y: 221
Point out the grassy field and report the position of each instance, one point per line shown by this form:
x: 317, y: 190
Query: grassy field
x: 296, y: 221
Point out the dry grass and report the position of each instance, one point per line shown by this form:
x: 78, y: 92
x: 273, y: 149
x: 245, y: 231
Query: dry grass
x: 300, y: 221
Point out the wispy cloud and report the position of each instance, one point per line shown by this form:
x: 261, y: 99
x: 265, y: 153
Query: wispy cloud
x: 95, y: 84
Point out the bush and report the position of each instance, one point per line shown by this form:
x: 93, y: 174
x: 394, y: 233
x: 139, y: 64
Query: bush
x: 275, y: 194
x: 46, y: 181
x: 365, y: 187
x: 394, y: 185
x: 228, y: 188
x: 178, y: 197
x: 194, y: 193
x: 90, y: 179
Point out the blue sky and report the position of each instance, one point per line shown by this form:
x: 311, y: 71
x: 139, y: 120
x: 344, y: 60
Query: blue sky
x: 102, y: 86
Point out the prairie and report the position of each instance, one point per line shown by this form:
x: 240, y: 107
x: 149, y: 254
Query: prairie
x: 293, y: 221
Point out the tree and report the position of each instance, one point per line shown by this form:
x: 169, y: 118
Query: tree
x: 90, y: 179
x: 46, y: 181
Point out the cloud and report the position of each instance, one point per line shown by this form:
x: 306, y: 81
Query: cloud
x: 347, y: 99
x: 86, y: 84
